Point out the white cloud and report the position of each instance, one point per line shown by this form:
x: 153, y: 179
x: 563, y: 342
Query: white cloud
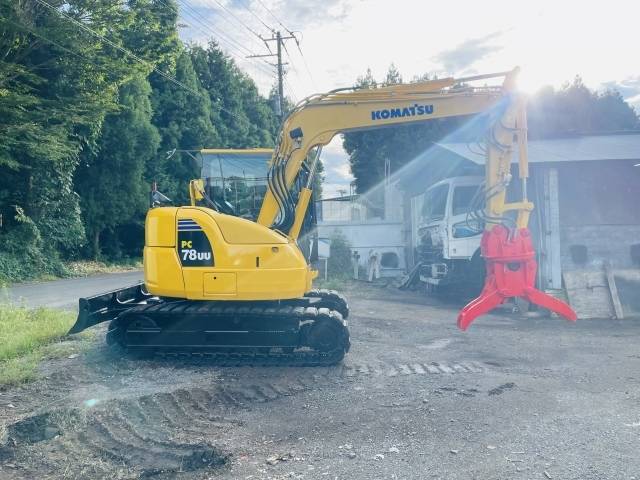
x: 629, y: 88
x: 468, y: 53
x: 297, y: 14
x: 552, y: 41
x: 337, y: 171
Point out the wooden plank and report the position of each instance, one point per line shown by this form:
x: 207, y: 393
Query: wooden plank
x: 588, y: 293
x: 614, y: 291
x: 628, y: 285
x: 551, y: 230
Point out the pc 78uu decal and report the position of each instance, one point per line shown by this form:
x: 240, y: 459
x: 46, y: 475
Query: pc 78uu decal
x: 194, y: 248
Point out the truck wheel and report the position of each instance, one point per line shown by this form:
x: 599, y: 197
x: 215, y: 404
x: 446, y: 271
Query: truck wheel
x: 477, y: 274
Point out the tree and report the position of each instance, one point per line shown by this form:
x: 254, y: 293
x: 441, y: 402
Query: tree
x: 393, y: 76
x: 57, y: 83
x: 243, y: 118
x: 369, y: 150
x: 183, y: 117
x: 574, y: 109
x: 112, y: 186
x: 80, y: 140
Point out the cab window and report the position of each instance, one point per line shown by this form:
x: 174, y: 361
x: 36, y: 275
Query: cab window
x: 462, y: 198
x: 435, y: 203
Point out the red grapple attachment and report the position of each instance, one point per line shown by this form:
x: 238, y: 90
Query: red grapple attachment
x: 511, y: 272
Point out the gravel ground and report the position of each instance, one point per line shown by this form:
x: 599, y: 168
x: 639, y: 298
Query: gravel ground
x: 513, y: 398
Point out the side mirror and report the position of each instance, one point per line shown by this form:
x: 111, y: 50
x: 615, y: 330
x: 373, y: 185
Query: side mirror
x: 196, y: 191
x: 158, y: 199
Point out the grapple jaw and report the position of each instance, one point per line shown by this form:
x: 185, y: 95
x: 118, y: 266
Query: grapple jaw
x: 511, y: 272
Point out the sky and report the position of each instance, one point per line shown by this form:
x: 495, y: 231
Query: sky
x: 551, y: 40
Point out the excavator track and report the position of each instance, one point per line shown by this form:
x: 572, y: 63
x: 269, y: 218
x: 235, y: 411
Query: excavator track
x: 332, y: 300
x: 299, y: 332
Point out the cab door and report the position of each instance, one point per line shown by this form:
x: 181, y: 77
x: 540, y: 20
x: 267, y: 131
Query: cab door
x: 464, y: 231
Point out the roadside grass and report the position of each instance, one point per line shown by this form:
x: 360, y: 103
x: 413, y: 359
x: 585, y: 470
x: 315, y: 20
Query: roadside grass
x: 83, y: 268
x: 75, y: 268
x: 27, y: 336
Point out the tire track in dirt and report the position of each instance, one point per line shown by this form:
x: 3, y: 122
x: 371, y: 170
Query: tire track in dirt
x: 173, y: 432
x: 412, y: 368
x: 349, y: 370
x: 140, y: 437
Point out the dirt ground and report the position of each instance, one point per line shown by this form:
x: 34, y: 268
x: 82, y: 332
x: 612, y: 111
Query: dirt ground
x: 514, y: 398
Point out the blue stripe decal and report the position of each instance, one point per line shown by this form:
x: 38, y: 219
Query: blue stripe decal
x: 187, y: 229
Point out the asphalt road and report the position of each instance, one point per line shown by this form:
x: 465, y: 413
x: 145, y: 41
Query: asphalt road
x: 65, y: 293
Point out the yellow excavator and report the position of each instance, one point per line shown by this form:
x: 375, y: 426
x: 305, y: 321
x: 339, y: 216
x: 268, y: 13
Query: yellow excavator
x: 241, y: 291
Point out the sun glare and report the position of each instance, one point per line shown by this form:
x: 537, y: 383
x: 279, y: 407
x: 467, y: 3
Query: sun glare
x: 530, y: 82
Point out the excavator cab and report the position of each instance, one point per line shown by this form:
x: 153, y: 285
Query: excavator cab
x: 235, y: 180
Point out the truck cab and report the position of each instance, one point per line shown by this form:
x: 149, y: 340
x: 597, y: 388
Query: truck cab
x: 448, y: 243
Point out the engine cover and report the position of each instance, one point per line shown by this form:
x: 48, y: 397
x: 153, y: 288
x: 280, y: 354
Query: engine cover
x: 200, y: 254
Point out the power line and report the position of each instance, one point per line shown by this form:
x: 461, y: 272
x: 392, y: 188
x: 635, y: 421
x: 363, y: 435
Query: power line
x: 207, y: 29
x: 304, y: 60
x: 235, y: 52
x: 261, y: 66
x: 276, y: 18
x: 291, y: 91
x: 132, y: 55
x: 230, y: 15
x: 293, y: 67
x: 251, y: 55
x: 42, y: 37
x: 222, y: 38
x: 255, y: 15
x: 219, y: 36
x: 238, y: 19
x: 117, y: 47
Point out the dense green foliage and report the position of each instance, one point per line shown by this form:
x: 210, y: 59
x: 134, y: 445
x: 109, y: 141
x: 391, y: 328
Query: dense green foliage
x: 86, y: 127
x: 111, y: 182
x: 573, y: 109
x: 339, y: 264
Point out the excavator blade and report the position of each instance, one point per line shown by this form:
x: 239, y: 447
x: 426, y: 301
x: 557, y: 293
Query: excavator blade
x: 511, y: 272
x: 107, y: 306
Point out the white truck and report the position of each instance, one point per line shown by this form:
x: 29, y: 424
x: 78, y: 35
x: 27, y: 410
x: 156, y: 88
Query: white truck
x: 447, y: 240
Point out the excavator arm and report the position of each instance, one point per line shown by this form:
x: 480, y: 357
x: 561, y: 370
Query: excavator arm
x: 315, y: 121
x: 506, y: 244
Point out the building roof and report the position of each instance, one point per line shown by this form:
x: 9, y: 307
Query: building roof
x: 575, y: 149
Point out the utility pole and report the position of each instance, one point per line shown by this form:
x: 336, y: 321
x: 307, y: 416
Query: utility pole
x: 280, y: 72
x: 279, y: 39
